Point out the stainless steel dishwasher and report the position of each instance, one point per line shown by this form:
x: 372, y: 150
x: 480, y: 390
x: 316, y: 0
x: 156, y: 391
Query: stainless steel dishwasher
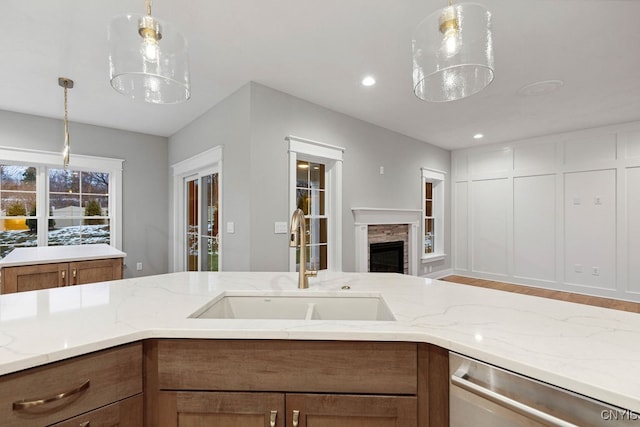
x: 482, y: 395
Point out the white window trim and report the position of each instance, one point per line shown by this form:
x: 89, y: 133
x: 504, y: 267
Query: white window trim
x: 76, y: 161
x: 438, y: 178
x: 332, y: 157
x: 205, y: 163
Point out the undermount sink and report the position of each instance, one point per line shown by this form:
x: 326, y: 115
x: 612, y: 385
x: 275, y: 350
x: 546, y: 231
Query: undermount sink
x: 315, y: 306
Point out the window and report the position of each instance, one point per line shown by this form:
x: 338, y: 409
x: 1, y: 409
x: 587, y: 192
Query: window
x: 44, y: 205
x: 78, y: 207
x: 433, y: 214
x: 197, y: 215
x: 315, y: 171
x: 310, y: 197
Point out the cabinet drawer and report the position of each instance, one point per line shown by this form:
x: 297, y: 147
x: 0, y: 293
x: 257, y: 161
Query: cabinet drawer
x: 318, y: 366
x: 88, y: 382
x: 126, y: 413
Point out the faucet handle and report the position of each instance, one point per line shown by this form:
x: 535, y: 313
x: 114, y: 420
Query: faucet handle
x: 312, y: 273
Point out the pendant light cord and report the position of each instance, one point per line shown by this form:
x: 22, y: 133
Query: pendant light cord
x: 148, y: 7
x: 66, y: 129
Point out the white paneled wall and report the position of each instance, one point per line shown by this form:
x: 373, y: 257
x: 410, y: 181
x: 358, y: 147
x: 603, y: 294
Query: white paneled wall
x: 534, y: 227
x: 560, y: 211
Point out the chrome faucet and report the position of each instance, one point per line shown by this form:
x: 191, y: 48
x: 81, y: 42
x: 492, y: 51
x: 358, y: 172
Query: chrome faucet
x: 298, y: 238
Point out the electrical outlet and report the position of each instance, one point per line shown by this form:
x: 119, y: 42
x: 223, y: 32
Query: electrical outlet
x: 596, y: 271
x: 139, y: 266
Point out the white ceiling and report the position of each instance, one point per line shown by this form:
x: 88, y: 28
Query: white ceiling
x: 320, y: 50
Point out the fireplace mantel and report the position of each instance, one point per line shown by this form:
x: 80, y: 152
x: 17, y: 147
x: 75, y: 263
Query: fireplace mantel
x: 363, y: 217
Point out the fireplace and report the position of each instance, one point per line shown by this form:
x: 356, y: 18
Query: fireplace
x: 386, y: 257
x: 376, y: 225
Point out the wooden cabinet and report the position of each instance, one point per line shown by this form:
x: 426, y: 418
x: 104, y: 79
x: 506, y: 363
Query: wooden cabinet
x: 294, y: 383
x: 98, y: 385
x: 44, y: 276
x: 125, y: 413
x: 193, y: 409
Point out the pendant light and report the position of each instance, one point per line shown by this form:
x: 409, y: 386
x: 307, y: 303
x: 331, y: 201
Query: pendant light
x: 148, y: 59
x: 66, y: 84
x: 453, y: 53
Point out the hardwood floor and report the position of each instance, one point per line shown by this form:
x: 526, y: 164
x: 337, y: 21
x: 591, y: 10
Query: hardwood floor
x: 546, y: 293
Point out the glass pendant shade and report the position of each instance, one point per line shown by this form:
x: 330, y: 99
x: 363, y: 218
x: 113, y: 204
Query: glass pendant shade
x: 453, y: 53
x: 148, y: 60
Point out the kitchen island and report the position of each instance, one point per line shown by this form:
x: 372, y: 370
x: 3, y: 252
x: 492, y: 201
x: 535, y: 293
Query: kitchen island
x: 589, y: 350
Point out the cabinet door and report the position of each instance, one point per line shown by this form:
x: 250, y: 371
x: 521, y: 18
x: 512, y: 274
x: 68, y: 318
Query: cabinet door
x: 197, y: 409
x: 321, y: 410
x: 95, y: 271
x: 126, y: 413
x: 34, y: 277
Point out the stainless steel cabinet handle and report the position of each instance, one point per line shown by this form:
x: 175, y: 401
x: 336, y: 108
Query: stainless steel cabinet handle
x: 272, y: 420
x: 26, y: 404
x: 296, y: 417
x: 63, y: 274
x: 85, y: 424
x: 458, y: 379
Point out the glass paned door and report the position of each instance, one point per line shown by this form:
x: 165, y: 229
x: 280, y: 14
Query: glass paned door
x: 209, y: 231
x: 192, y: 196
x: 202, y: 203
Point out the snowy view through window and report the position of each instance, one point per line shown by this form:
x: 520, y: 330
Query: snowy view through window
x: 78, y: 207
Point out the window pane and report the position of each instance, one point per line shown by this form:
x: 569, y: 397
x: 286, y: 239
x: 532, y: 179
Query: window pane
x: 210, y: 257
x: 303, y: 200
x: 95, y: 182
x: 72, y: 232
x: 20, y: 178
x: 428, y: 186
x: 428, y: 208
x: 317, y: 230
x: 317, y: 257
x: 428, y: 236
x: 16, y: 203
x: 64, y: 181
x: 317, y: 202
x: 316, y: 173
x: 65, y: 204
x: 95, y: 206
x: 302, y: 174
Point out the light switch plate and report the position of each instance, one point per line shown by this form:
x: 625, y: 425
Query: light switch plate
x: 231, y: 227
x: 280, y: 227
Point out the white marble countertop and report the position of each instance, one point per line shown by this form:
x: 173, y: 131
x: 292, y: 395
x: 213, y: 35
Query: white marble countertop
x: 590, y: 350
x: 53, y: 254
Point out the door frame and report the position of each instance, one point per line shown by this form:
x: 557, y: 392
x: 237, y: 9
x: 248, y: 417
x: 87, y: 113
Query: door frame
x: 205, y: 163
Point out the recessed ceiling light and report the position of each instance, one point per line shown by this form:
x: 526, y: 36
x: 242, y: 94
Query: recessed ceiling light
x: 368, y: 81
x: 478, y: 136
x: 540, y: 88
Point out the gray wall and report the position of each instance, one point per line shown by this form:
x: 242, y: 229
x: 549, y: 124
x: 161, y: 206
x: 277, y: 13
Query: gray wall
x: 255, y: 180
x: 144, y: 178
x: 226, y: 124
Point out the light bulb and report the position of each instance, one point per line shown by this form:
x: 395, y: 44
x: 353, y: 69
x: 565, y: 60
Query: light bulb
x: 451, y: 42
x: 149, y: 49
x: 151, y: 32
x: 450, y: 29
